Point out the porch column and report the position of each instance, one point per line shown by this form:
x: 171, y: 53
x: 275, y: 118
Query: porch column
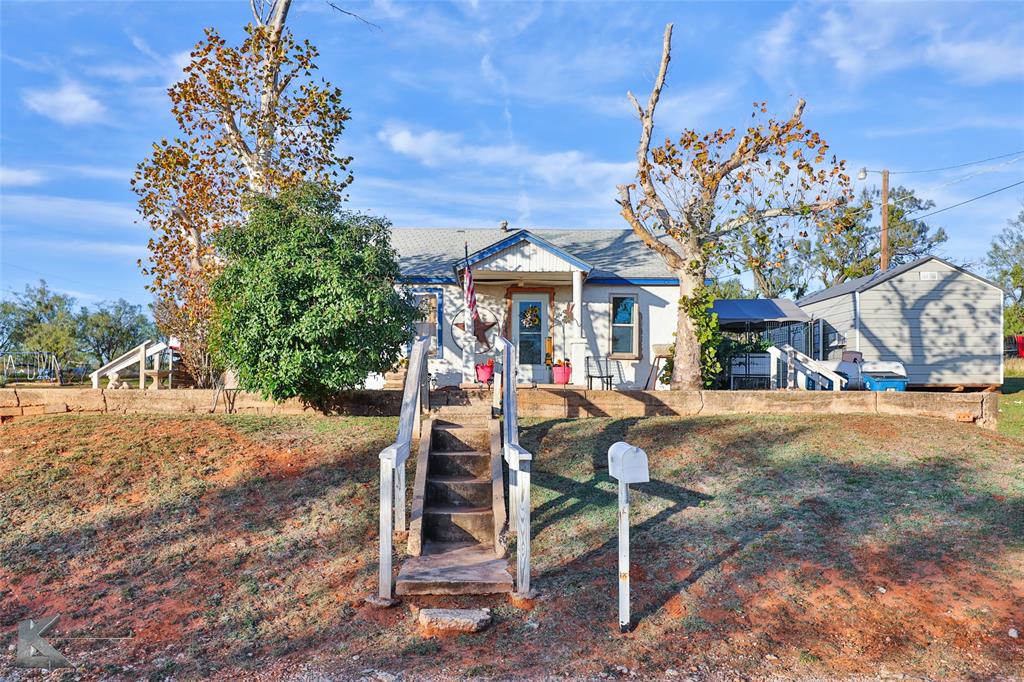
x: 577, y: 350
x: 469, y: 347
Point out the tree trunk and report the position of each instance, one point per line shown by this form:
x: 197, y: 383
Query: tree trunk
x: 686, y: 374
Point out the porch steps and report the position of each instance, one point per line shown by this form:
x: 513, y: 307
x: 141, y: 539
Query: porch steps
x: 458, y: 531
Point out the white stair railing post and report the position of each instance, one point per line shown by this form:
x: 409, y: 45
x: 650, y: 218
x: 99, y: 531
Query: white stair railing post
x: 523, y: 523
x: 399, y: 482
x: 142, y: 367
x: 387, y: 487
x: 392, y: 470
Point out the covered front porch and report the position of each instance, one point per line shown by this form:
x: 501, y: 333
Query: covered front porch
x: 569, y: 327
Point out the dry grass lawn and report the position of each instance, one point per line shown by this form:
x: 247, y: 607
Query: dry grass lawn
x: 797, y: 547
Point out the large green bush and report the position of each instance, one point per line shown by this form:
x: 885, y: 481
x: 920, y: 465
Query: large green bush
x: 308, y: 302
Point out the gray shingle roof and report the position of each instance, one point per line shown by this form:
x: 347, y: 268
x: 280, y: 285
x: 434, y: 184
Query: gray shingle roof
x: 868, y: 281
x: 433, y: 252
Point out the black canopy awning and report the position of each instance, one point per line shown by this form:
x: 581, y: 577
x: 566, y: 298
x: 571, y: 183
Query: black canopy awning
x: 755, y: 314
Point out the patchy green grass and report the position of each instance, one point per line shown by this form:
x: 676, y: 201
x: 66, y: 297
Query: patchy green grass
x: 1011, y: 407
x: 237, y: 547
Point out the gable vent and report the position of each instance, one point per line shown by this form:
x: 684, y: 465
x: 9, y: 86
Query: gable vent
x: 929, y: 276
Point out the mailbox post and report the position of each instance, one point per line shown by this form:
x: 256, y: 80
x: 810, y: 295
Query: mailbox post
x: 627, y: 464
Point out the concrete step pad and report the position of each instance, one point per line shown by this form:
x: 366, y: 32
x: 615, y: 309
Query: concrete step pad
x: 460, y: 463
x: 452, y: 523
x: 454, y: 568
x: 453, y: 437
x: 458, y: 490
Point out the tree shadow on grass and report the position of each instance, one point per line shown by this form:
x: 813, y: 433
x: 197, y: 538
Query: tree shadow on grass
x: 784, y: 504
x: 219, y: 574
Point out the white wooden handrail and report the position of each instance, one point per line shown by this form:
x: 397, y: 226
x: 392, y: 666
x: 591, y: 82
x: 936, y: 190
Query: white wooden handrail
x: 800, y: 366
x: 393, y: 457
x: 519, y: 466
x: 139, y: 354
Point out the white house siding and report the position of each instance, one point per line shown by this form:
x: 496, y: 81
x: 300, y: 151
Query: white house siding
x: 838, y: 316
x: 525, y: 256
x: 945, y: 331
x: 657, y: 306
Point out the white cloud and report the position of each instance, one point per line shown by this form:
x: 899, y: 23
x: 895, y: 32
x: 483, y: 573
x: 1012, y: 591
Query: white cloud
x: 69, y: 104
x: 123, y: 175
x: 860, y: 42
x: 103, y: 249
x: 431, y: 148
x: 36, y: 209
x: 980, y: 61
x: 566, y: 168
x: 19, y: 177
x: 963, y: 122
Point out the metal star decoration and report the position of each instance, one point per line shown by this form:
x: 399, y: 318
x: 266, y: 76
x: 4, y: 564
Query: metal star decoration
x: 480, y: 329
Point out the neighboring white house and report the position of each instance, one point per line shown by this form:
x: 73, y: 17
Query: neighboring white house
x: 943, y: 323
x: 556, y: 294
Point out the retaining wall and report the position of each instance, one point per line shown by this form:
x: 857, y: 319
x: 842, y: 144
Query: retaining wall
x: 978, y: 408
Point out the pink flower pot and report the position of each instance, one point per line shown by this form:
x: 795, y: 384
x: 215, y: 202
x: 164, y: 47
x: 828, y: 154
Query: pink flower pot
x: 562, y: 374
x: 484, y: 373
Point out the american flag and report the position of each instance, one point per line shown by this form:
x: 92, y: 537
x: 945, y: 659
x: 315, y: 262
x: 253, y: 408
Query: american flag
x: 470, y: 289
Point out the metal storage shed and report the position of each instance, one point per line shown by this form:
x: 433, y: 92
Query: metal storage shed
x: 941, y: 321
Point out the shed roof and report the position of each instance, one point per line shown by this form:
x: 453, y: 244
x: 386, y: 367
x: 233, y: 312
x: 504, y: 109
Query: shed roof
x: 742, y: 311
x: 861, y: 284
x: 612, y: 254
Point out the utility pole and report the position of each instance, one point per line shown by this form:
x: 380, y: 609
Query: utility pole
x: 885, y: 220
x: 884, y: 255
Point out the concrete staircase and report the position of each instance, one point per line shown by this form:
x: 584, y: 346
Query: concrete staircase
x: 458, y: 508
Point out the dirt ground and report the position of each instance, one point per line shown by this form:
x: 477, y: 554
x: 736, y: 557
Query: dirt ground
x: 764, y: 548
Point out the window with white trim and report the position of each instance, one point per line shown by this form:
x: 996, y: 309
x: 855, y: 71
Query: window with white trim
x: 429, y: 305
x: 625, y: 326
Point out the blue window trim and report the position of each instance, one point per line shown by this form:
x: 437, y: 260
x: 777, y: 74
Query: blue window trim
x: 512, y: 240
x: 439, y: 293
x: 638, y: 281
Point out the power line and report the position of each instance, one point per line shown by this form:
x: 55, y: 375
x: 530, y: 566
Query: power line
x: 959, y: 165
x: 974, y: 174
x: 875, y: 231
x: 966, y: 201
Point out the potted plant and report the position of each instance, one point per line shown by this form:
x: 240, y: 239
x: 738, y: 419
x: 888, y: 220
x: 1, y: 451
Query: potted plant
x: 562, y: 372
x: 485, y: 371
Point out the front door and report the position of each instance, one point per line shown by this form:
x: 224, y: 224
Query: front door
x: 530, y: 332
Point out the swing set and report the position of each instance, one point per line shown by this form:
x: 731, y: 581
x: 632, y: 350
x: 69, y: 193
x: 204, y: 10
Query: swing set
x: 30, y: 366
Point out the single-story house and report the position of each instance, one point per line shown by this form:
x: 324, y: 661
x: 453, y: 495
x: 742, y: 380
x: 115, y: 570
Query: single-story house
x: 944, y: 323
x: 556, y: 294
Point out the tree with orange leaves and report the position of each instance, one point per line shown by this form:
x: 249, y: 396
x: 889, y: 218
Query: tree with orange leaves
x: 252, y: 120
x: 693, y: 196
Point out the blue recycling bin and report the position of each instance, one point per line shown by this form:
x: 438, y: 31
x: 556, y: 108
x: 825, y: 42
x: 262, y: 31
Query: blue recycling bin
x: 884, y: 381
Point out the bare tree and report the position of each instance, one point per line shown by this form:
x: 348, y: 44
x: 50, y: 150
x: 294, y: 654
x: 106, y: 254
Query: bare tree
x: 696, y: 193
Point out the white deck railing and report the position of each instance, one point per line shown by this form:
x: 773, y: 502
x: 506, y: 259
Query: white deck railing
x: 137, y: 355
x: 798, y: 368
x: 519, y: 465
x: 393, y: 457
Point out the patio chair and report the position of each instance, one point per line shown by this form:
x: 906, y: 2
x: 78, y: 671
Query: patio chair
x: 599, y: 368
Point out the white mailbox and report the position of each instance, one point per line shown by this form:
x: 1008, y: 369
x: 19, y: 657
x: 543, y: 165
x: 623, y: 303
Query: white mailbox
x: 628, y: 463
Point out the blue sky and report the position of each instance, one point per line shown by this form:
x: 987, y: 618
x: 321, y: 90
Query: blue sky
x: 471, y: 113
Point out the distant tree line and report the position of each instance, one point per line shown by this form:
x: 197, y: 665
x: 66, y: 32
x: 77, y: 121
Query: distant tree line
x: 830, y: 257
x: 855, y: 252
x: 41, y: 319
